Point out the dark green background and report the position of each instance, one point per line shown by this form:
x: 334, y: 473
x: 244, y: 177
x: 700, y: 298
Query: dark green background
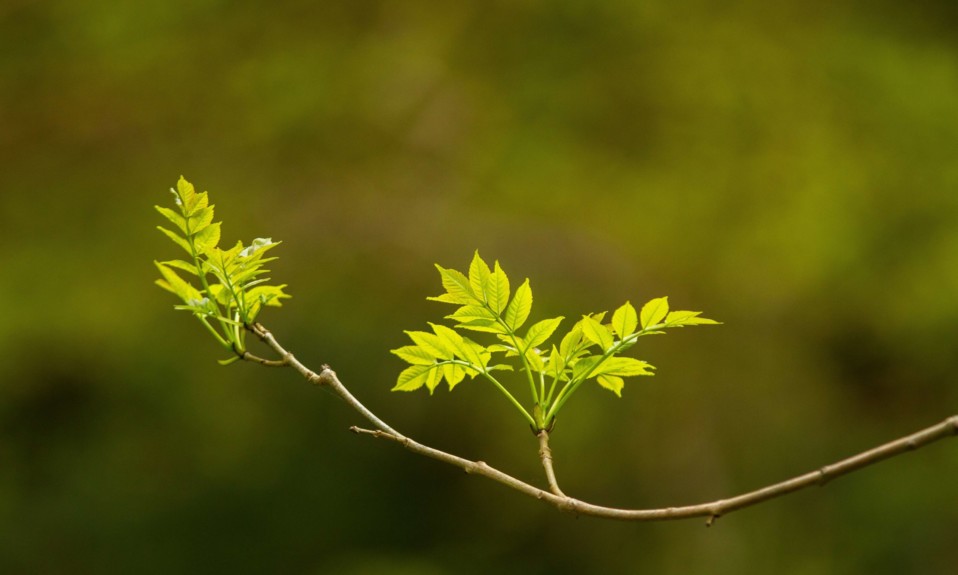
x: 789, y: 168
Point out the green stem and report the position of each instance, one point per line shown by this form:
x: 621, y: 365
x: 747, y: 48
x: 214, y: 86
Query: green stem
x: 522, y: 355
x: 573, y: 384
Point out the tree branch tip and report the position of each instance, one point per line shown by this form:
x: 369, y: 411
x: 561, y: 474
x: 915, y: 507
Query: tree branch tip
x: 711, y: 520
x: 954, y: 423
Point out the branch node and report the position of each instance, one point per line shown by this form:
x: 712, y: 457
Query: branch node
x: 823, y: 476
x: 711, y: 520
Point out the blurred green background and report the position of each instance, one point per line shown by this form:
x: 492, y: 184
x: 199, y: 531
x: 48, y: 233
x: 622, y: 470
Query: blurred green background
x: 789, y: 168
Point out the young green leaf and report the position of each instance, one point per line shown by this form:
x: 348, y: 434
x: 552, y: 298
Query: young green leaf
x: 540, y: 331
x: 625, y: 320
x: 414, y: 355
x: 176, y: 239
x: 458, y: 289
x: 453, y: 374
x: 597, y: 333
x: 207, y: 238
x: 654, y: 311
x: 412, y: 378
x: 498, y: 291
x: 611, y: 382
x: 172, y: 282
x: 479, y: 273
x: 683, y: 318
x: 623, y: 367
x: 430, y: 343
x: 519, y: 307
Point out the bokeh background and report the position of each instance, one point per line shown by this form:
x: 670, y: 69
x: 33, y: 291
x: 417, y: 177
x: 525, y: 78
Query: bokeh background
x: 789, y: 168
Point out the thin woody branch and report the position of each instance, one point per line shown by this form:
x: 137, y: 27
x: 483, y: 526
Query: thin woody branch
x: 711, y: 510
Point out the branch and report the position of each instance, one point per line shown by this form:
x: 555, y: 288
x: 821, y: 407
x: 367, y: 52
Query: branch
x: 545, y: 454
x: 711, y: 510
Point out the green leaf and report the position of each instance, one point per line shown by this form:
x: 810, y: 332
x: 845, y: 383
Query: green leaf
x: 570, y: 342
x: 683, y: 318
x: 433, y: 379
x: 468, y: 313
x: 457, y: 287
x: 623, y: 367
x: 585, y: 366
x: 175, y: 218
x: 207, y: 238
x: 176, y: 239
x: 430, y: 343
x: 654, y: 311
x: 625, y: 320
x: 535, y: 360
x: 479, y: 273
x: 190, y: 201
x: 412, y: 378
x: 518, y: 311
x: 201, y: 219
x: 464, y: 348
x: 182, y: 265
x: 539, y: 332
x: 497, y: 294
x: 611, y: 382
x: 414, y: 355
x: 453, y: 374
x: 172, y: 282
x: 597, y: 333
x: 556, y: 363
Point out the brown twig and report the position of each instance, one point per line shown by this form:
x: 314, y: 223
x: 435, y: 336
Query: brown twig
x: 711, y: 510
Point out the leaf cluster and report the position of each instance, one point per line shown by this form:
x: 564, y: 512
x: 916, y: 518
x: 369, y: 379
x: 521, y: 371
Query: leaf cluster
x: 590, y: 350
x: 230, y: 289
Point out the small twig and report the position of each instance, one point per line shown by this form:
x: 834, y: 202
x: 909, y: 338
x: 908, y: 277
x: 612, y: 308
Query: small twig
x: 267, y: 362
x: 711, y: 510
x: 545, y: 455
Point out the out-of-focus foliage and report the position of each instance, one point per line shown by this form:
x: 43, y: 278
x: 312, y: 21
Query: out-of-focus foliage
x: 789, y: 167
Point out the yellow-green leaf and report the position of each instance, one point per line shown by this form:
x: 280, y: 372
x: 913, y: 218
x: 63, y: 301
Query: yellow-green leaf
x: 539, y: 332
x: 479, y: 273
x: 518, y: 311
x: 654, y: 311
x: 497, y: 293
x: 457, y: 286
x: 597, y: 333
x: 611, y: 382
x: 412, y: 378
x: 207, y: 238
x: 625, y: 320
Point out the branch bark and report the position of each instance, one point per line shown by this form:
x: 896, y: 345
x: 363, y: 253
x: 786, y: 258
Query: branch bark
x: 710, y: 510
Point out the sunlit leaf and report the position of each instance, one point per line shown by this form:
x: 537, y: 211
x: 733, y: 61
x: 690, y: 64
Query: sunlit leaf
x: 540, y: 331
x: 177, y: 239
x: 597, y: 333
x: 624, y: 367
x: 479, y: 273
x: 497, y: 293
x: 625, y: 320
x: 431, y: 343
x: 611, y: 382
x: 412, y: 378
x: 683, y: 318
x: 207, y: 239
x: 519, y: 307
x: 654, y: 311
x: 457, y: 287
